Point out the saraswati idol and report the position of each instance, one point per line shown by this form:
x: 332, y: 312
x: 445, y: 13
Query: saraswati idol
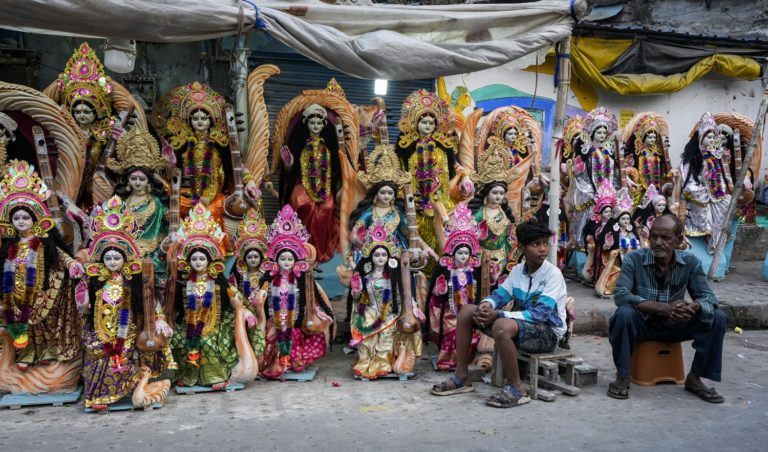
x: 376, y: 289
x: 299, y: 317
x: 211, y: 343
x: 427, y: 150
x: 455, y: 284
x: 94, y: 100
x: 115, y: 366
x: 41, y: 326
x: 192, y: 118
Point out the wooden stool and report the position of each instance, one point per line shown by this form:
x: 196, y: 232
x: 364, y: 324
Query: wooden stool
x: 536, y: 361
x: 654, y: 362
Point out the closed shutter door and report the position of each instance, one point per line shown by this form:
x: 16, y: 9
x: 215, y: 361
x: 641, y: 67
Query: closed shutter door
x: 298, y: 73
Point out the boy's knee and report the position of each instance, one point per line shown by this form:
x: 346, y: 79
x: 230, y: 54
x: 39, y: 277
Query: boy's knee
x: 503, y: 329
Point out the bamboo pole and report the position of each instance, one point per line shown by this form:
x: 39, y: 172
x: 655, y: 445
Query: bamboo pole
x: 563, y: 81
x: 739, y: 184
x: 239, y: 73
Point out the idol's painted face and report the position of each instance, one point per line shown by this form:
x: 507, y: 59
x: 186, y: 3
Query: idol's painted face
x: 286, y: 260
x: 200, y: 121
x: 138, y: 181
x: 461, y: 256
x: 606, y: 214
x: 198, y: 261
x: 113, y: 260
x: 624, y: 221
x: 84, y: 114
x: 253, y: 259
x: 510, y: 136
x: 650, y: 138
x: 495, y: 195
x: 660, y: 205
x: 22, y: 221
x: 601, y: 134
x: 426, y: 125
x: 385, y: 195
x: 315, y: 125
x: 708, y: 142
x: 379, y: 257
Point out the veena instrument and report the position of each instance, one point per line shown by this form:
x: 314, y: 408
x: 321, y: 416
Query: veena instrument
x: 235, y: 205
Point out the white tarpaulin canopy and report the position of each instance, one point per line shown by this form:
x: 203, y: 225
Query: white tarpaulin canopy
x: 366, y: 40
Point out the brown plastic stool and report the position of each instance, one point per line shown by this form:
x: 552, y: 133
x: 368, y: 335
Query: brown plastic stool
x: 654, y: 362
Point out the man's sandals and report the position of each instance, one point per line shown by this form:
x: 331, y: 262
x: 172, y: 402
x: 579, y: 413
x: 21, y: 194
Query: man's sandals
x: 452, y: 386
x: 706, y: 394
x: 621, y: 392
x: 508, y: 397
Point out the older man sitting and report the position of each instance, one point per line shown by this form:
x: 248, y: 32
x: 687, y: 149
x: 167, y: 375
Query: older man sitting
x: 651, y: 307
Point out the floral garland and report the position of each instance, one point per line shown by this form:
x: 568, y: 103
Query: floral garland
x: 20, y: 254
x: 247, y: 284
x: 426, y: 175
x: 114, y: 294
x: 602, y: 164
x: 651, y: 167
x: 458, y: 296
x: 284, y: 317
x: 206, y: 169
x: 199, y: 301
x: 318, y: 162
x: 713, y: 172
x: 384, y: 308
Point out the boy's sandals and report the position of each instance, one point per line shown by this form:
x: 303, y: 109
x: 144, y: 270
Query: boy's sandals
x: 452, y: 386
x: 618, y: 390
x: 508, y: 397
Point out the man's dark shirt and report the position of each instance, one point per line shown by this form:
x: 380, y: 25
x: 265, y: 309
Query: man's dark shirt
x: 638, y: 282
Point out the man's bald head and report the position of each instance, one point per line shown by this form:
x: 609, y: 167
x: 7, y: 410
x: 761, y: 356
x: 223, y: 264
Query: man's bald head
x: 668, y: 218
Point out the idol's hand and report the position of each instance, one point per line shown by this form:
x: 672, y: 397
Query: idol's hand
x: 250, y: 319
x: 162, y: 327
x: 76, y: 215
x: 117, y: 132
x: 81, y: 297
x: 287, y: 157
x: 252, y: 191
x: 356, y: 284
x: 76, y: 270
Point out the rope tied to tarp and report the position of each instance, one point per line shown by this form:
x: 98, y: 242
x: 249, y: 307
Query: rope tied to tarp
x: 573, y: 11
x: 258, y: 22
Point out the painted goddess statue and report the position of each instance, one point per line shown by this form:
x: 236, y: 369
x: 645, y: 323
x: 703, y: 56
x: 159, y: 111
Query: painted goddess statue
x: 210, y: 344
x: 299, y: 318
x: 138, y: 165
x: 617, y: 239
x: 192, y: 119
x: 707, y: 182
x: 114, y: 364
x: 377, y: 295
x: 455, y: 283
x: 426, y: 148
x: 595, y: 163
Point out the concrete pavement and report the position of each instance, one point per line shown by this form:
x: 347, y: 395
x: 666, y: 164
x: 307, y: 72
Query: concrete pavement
x: 355, y: 415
